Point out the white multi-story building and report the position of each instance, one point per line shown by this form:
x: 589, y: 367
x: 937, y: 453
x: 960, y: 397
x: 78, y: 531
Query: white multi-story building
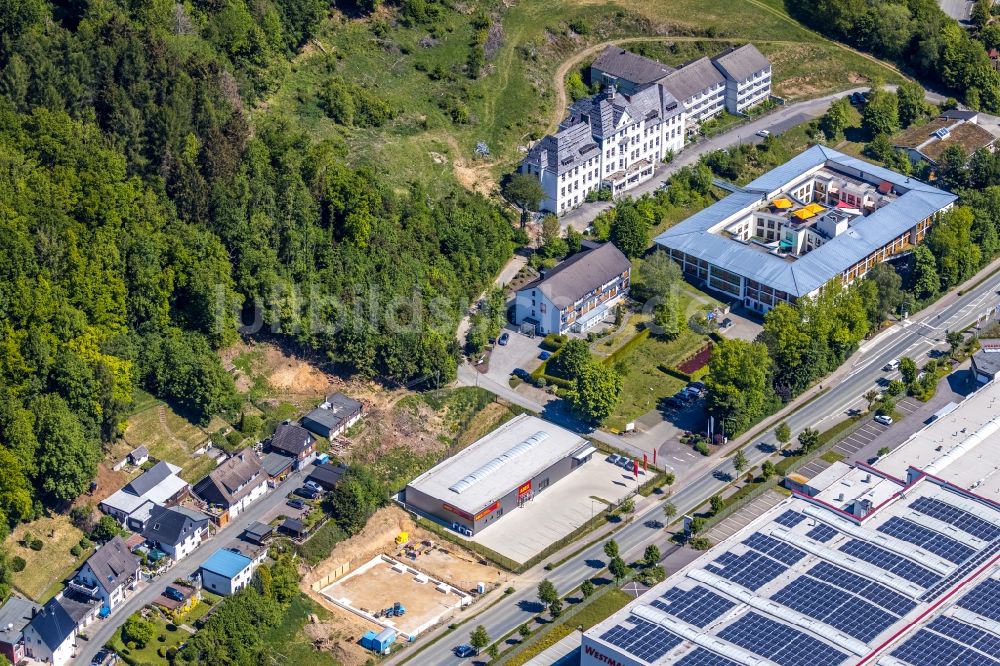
x: 615, y: 140
x: 609, y: 141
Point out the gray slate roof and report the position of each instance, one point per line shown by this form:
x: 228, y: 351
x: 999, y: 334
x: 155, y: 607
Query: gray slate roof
x: 53, y: 623
x: 988, y: 361
x: 148, y: 480
x: 16, y: 613
x: 565, y: 149
x: 741, y: 63
x: 339, y: 409
x: 692, y: 78
x: 916, y: 202
x: 291, y: 439
x: 275, y: 463
x: 113, y: 563
x: 583, y: 272
x: 629, y: 66
x: 173, y: 525
x: 230, y: 482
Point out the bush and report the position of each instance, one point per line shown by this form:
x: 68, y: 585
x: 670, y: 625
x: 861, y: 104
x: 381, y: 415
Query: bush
x: 553, y: 341
x: 85, y: 543
x: 76, y: 551
x: 509, y: 590
x: 162, y: 638
x: 17, y: 564
x: 36, y: 544
x: 701, y: 447
x: 700, y: 543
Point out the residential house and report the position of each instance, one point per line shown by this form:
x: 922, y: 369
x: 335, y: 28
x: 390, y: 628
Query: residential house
x: 233, y: 486
x: 295, y: 442
x: 986, y: 362
x: 177, y: 531
x: 327, y: 475
x: 108, y: 575
x: 277, y: 466
x: 14, y: 617
x: 227, y: 572
x: 159, y: 486
x: 50, y: 636
x: 577, y: 294
x: 928, y: 142
x: 138, y: 456
x: 337, y: 413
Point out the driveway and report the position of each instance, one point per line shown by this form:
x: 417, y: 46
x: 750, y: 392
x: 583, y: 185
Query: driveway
x: 521, y: 351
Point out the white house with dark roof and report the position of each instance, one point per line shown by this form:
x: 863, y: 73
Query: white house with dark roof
x: 108, y: 575
x: 232, y: 486
x: 177, y: 531
x: 577, y: 294
x: 614, y: 140
x: 50, y: 637
x: 609, y: 141
x: 295, y: 442
x: 333, y: 416
x: 159, y: 486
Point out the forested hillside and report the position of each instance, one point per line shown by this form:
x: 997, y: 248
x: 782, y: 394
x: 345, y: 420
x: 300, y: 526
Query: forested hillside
x: 142, y: 210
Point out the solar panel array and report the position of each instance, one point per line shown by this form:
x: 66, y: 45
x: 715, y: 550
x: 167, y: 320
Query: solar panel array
x: 645, y: 640
x: 790, y: 518
x: 961, y: 572
x: 963, y: 520
x: 751, y: 570
x: 822, y: 533
x: 698, y: 606
x: 927, y: 648
x: 779, y: 550
x: 703, y: 657
x: 966, y: 634
x: 876, y: 593
x: 984, y: 599
x: 889, y: 561
x: 779, y: 642
x: 841, y: 610
x: 946, y: 547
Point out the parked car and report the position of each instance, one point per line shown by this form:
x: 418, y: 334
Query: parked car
x: 173, y: 593
x: 884, y: 419
x: 625, y: 462
x: 521, y: 373
x: 308, y: 493
x: 857, y: 98
x: 891, y: 365
x: 545, y: 355
x: 698, y: 385
x: 504, y: 339
x: 674, y: 403
x: 614, y: 458
x: 763, y: 133
x: 313, y: 485
x: 726, y: 323
x: 296, y: 503
x: 465, y: 650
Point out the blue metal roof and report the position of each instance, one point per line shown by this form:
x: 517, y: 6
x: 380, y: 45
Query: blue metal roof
x: 226, y: 563
x: 805, y: 274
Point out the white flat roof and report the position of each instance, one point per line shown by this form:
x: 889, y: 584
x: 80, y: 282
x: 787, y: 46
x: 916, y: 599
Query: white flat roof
x: 962, y: 447
x: 498, y: 462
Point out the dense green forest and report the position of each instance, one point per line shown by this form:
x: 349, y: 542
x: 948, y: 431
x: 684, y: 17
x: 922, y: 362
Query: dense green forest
x: 144, y: 217
x: 920, y: 37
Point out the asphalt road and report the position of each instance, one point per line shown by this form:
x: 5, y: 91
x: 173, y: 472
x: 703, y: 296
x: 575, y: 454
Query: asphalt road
x: 101, y: 631
x: 914, y: 340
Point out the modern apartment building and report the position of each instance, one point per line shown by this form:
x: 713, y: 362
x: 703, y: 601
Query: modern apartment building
x: 820, y: 216
x: 577, y: 294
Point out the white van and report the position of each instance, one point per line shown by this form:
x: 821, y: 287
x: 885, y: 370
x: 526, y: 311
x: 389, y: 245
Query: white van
x: 891, y: 365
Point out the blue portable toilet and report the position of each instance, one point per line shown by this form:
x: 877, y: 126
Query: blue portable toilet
x: 368, y: 640
x: 384, y: 641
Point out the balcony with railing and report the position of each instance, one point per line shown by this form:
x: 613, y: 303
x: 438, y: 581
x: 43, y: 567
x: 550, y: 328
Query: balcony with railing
x: 84, y: 588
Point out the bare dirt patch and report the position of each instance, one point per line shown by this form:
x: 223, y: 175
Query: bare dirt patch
x: 108, y: 481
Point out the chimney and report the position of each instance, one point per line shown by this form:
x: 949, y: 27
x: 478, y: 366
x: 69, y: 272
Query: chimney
x: 611, y: 91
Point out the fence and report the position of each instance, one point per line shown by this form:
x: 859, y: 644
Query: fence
x: 328, y: 579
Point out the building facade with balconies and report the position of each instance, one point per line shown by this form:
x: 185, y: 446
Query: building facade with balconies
x: 108, y: 575
x: 577, y: 294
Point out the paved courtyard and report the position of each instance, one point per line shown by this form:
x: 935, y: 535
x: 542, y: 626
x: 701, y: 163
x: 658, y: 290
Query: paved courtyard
x: 560, y: 509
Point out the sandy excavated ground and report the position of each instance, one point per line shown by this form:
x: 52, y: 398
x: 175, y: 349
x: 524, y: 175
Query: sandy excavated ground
x: 445, y: 562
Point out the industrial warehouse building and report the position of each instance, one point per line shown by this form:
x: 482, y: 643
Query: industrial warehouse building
x: 896, y: 564
x: 821, y: 216
x: 498, y: 473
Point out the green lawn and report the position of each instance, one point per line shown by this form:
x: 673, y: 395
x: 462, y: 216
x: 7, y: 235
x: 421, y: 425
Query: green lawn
x: 420, y: 72
x: 154, y: 652
x: 288, y: 642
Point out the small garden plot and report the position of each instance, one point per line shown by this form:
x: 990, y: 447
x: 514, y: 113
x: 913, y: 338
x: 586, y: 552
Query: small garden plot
x: 696, y: 362
x: 383, y: 581
x: 45, y: 569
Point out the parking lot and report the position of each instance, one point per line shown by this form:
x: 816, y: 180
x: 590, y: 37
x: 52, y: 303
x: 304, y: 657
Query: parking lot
x: 559, y: 510
x: 521, y: 351
x: 736, y: 522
